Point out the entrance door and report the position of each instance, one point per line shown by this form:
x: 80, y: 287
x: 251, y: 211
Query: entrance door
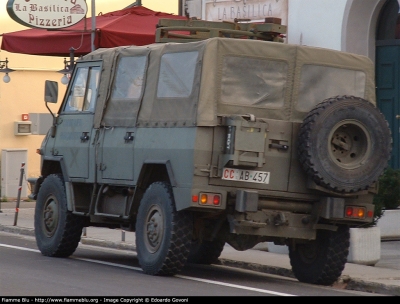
x: 388, y: 90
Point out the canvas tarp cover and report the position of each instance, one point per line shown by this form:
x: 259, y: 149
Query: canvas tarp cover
x: 338, y: 73
x: 161, y: 100
x: 172, y: 85
x: 190, y: 84
x: 127, y: 87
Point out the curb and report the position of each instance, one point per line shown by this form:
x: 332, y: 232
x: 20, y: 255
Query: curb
x: 109, y: 244
x: 18, y: 230
x: 259, y: 268
x: 344, y: 282
x: 371, y: 287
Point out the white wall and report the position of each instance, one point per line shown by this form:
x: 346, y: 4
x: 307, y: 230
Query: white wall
x: 359, y: 28
x: 346, y: 25
x: 316, y: 22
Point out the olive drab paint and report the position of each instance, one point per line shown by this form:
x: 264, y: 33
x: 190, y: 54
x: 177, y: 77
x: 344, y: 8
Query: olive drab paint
x: 210, y: 141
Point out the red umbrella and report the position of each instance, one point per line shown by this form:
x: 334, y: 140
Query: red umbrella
x: 131, y: 26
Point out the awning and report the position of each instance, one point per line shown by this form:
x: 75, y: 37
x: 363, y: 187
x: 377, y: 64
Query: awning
x: 129, y: 26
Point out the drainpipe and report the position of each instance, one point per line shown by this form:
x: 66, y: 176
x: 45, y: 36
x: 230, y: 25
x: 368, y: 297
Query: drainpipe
x: 93, y: 34
x: 180, y: 11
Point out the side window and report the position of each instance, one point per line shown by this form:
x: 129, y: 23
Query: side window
x: 123, y: 107
x: 83, y: 91
x: 177, y: 72
x: 129, y: 78
x: 177, y: 88
x: 319, y: 82
x: 252, y: 81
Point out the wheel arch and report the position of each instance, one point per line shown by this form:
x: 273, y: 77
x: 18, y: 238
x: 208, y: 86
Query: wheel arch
x: 50, y: 165
x: 161, y: 171
x: 54, y: 165
x: 152, y: 171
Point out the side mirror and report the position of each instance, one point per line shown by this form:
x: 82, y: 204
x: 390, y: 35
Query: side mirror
x: 51, y: 91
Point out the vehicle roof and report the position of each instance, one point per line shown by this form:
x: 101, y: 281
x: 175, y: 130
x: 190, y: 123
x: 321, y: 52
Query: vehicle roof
x: 212, y: 52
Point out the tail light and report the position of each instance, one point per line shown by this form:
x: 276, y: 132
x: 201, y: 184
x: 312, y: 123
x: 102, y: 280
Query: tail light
x: 357, y: 212
x: 207, y: 199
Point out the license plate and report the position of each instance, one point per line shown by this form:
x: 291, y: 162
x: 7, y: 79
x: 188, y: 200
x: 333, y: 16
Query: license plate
x: 249, y: 176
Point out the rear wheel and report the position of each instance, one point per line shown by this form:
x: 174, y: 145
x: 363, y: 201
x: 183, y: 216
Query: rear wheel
x: 321, y: 261
x: 57, y: 230
x: 163, y: 235
x: 344, y: 144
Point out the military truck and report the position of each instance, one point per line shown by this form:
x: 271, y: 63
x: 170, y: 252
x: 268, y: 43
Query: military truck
x: 220, y: 138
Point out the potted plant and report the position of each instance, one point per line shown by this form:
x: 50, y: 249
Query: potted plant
x: 388, y: 196
x: 365, y: 245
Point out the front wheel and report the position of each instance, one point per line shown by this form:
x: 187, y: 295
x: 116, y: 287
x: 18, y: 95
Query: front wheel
x: 163, y: 235
x: 322, y: 261
x: 57, y: 230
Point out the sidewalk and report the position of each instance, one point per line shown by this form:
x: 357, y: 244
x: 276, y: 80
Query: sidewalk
x: 383, y: 278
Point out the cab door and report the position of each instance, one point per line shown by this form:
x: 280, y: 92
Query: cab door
x: 74, y: 129
x: 118, y: 131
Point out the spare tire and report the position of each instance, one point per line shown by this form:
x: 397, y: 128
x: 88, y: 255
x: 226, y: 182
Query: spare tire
x: 344, y: 144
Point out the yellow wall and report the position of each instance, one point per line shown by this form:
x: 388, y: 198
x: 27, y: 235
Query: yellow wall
x: 25, y: 92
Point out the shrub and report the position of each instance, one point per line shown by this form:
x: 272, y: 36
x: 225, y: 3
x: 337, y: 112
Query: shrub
x: 389, y: 189
x: 388, y: 196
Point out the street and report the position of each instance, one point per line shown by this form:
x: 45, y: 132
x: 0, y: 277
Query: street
x: 98, y: 271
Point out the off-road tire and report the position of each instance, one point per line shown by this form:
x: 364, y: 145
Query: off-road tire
x: 344, y: 144
x: 57, y: 231
x: 163, y: 235
x: 322, y: 261
x: 206, y: 252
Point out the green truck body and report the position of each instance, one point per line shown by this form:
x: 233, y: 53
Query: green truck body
x: 219, y: 141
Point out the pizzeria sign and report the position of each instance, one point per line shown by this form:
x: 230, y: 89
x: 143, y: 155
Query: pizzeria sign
x: 47, y: 14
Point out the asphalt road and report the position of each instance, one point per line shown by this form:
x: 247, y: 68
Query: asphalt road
x: 104, y: 272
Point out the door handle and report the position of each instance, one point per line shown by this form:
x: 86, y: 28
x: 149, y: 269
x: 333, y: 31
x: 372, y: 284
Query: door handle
x: 397, y: 116
x: 278, y: 147
x: 128, y: 137
x: 84, y: 136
